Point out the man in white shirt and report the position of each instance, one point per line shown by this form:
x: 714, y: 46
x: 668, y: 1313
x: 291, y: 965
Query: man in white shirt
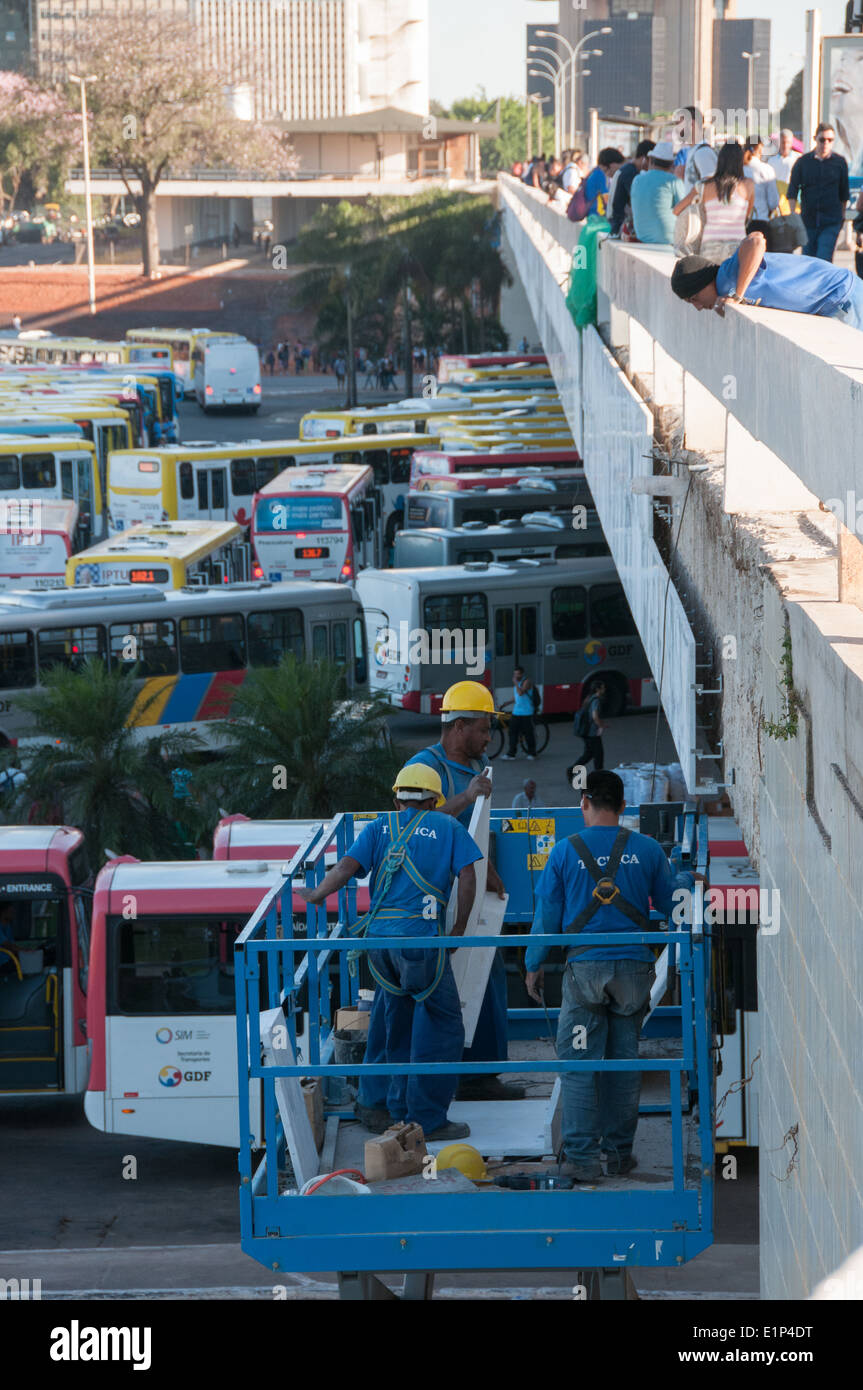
x: 764, y: 178
x: 526, y: 800
x: 783, y: 162
x: 571, y: 175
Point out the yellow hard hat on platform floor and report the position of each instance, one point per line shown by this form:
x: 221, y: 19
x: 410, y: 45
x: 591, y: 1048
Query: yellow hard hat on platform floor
x: 465, y: 1158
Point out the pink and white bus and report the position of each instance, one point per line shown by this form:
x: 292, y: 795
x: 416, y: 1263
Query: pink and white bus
x: 238, y: 838
x: 36, y: 540
x: 161, y: 1006
x: 427, y: 463
x: 44, y: 953
x: 317, y: 523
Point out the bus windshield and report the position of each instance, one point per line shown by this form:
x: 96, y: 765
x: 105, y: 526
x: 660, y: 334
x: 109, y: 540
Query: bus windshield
x: 299, y: 514
x: 175, y: 965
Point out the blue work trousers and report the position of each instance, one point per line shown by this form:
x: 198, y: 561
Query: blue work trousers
x: 822, y: 240
x: 402, y: 1030
x: 603, y: 1006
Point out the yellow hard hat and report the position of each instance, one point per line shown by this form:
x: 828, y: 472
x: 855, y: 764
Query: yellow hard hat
x: 466, y: 700
x: 465, y: 1158
x: 416, y: 782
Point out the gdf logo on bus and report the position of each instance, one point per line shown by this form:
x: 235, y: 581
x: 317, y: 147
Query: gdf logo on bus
x: 172, y: 1076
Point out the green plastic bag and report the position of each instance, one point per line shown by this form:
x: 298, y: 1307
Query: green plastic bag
x: 581, y: 295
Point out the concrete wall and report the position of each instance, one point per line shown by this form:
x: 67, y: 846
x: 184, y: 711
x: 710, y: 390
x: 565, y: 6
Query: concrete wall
x: 772, y: 405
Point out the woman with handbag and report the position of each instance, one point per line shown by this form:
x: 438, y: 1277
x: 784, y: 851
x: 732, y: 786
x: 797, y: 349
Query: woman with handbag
x: 727, y: 200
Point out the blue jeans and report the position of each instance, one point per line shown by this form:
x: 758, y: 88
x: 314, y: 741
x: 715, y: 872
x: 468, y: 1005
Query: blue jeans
x: 609, y: 999
x: 402, y: 1030
x: 851, y: 312
x: 822, y: 240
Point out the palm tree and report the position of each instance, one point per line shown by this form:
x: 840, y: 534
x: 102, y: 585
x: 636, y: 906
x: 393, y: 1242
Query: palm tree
x: 295, y: 747
x: 94, y: 772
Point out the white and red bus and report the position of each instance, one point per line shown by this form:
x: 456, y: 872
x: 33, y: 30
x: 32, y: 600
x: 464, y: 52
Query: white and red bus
x: 427, y: 463
x: 317, y: 523
x: 44, y: 956
x: 238, y: 838
x: 36, y: 540
x: 161, y: 1007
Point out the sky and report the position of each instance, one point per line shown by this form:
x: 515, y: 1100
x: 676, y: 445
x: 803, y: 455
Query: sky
x: 480, y: 43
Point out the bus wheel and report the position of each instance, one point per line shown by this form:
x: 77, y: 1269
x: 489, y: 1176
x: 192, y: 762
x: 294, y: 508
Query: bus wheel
x: 615, y: 694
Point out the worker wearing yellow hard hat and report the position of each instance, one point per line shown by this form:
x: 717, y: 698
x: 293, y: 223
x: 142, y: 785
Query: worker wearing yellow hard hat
x: 412, y: 856
x: 467, y: 710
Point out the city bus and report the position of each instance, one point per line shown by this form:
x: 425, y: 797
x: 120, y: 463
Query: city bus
x: 449, y: 362
x: 226, y: 372
x: 39, y: 426
x: 44, y: 906
x: 36, y: 540
x: 317, y: 523
x: 106, y: 428
x: 442, y: 507
x: 237, y: 838
x: 193, y: 647
x: 566, y: 622
x: 182, y: 343
x: 161, y: 1018
x: 169, y: 555
x: 428, y: 464
x: 495, y: 477
x: 416, y: 416
x: 62, y: 397
x: 53, y: 468
x: 45, y: 348
x: 537, y: 535
x: 154, y: 387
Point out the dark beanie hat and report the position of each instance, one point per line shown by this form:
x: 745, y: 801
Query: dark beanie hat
x: 691, y: 274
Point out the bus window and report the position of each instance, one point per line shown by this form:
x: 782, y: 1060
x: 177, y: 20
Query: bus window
x: 400, y: 465
x: 378, y: 461
x: 17, y: 663
x: 568, y: 614
x: 213, y: 643
x: 166, y: 965
x: 527, y: 630
x: 360, y: 663
x: 217, y: 487
x: 82, y: 930
x: 10, y: 477
x: 243, y: 477
x: 320, y: 644
x: 70, y: 646
x: 118, y: 437
x: 203, y: 491
x: 153, y: 645
x: 609, y: 612
x: 349, y: 456
x: 187, y: 482
x: 455, y: 610
x: 474, y: 514
x: 340, y: 644
x: 267, y: 468
x: 575, y: 552
x: 274, y: 635
x: 467, y: 557
x: 38, y: 470
x: 67, y: 484
x: 503, y: 632
x: 358, y: 523
x: 369, y: 427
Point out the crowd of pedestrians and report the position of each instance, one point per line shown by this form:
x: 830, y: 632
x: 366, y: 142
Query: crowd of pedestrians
x: 373, y: 372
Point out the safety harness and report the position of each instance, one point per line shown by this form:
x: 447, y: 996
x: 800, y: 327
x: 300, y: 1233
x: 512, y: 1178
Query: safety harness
x: 396, y: 858
x: 476, y: 766
x: 606, y: 892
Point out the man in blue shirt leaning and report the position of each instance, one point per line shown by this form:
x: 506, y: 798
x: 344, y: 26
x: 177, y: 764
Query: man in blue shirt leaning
x: 771, y: 280
x: 606, y: 989
x: 413, y: 854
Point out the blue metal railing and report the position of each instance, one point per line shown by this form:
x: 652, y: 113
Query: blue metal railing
x: 488, y: 1229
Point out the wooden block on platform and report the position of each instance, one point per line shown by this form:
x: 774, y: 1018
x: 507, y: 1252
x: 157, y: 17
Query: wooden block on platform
x: 397, y: 1153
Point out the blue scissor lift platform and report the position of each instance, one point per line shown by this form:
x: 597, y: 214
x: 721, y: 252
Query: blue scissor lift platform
x: 660, y: 1216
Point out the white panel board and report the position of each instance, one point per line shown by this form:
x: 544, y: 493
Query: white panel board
x: 471, y: 969
x: 289, y: 1095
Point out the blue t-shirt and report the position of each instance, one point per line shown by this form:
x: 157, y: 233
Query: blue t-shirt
x: 653, y: 194
x: 436, y: 758
x: 595, y: 185
x: 522, y: 703
x: 439, y: 848
x: 801, y: 283
x: 566, y: 888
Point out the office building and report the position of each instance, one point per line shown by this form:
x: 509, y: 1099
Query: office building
x: 731, y: 70
x: 14, y: 36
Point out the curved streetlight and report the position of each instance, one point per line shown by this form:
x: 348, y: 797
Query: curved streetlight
x: 91, y: 272
x: 573, y: 51
x: 750, y: 90
x: 557, y: 82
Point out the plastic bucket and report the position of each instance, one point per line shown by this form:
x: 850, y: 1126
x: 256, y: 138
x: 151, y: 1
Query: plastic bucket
x: 349, y: 1049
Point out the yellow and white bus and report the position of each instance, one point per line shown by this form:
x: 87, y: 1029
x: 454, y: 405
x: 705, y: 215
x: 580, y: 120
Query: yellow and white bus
x: 182, y: 342
x: 172, y: 555
x: 44, y: 348
x: 54, y: 469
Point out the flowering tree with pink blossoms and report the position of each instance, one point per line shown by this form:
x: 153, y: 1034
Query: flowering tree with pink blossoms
x: 160, y: 106
x: 37, y: 136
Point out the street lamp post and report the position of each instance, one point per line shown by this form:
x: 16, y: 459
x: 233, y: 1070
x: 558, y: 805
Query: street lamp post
x: 352, y: 365
x: 557, y: 77
x: 750, y: 89
x: 91, y: 270
x: 573, y: 53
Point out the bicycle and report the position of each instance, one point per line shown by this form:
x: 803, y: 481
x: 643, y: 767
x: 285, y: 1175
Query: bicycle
x: 500, y: 733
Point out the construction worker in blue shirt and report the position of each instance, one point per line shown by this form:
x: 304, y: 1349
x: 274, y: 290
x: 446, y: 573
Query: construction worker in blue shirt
x: 412, y: 855
x: 603, y: 880
x: 467, y: 710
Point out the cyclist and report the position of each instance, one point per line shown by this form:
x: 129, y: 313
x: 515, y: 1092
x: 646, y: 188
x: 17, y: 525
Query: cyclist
x: 521, y: 721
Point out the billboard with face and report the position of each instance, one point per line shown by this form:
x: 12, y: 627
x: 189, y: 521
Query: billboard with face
x: 842, y: 97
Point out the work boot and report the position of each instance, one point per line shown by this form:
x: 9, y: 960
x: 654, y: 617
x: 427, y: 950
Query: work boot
x: 450, y: 1130
x: 616, y: 1165
x: 488, y: 1088
x: 581, y: 1172
x: 375, y: 1120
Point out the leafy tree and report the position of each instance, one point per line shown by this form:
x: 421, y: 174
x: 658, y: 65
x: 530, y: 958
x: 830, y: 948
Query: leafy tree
x: 159, y: 106
x: 93, y: 772
x: 792, y: 108
x: 502, y: 151
x: 37, y: 135
x: 294, y: 747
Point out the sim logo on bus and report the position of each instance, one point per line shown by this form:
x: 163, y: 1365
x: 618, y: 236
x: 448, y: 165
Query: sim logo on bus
x: 170, y: 1076
x: 164, y: 1035
x: 594, y: 653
